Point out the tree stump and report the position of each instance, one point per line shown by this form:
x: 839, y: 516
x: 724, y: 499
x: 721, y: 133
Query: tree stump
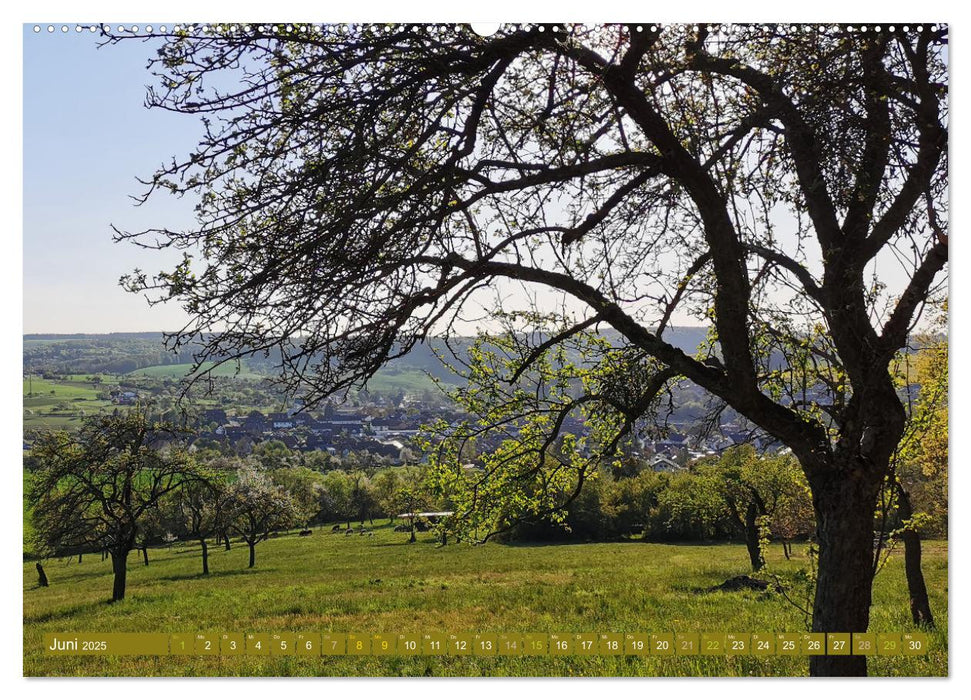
x: 41, y: 576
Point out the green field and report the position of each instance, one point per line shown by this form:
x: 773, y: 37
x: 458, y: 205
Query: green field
x: 355, y: 584
x: 41, y: 396
x: 411, y: 381
x: 62, y: 391
x: 179, y: 371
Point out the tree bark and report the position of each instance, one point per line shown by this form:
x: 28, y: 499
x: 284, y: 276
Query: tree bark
x: 226, y: 537
x: 205, y: 556
x: 752, y: 537
x: 920, y: 606
x: 119, y: 564
x: 145, y: 555
x: 80, y: 557
x: 252, y: 554
x: 844, y: 507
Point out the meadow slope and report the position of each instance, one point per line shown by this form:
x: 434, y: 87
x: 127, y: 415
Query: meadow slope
x: 382, y: 584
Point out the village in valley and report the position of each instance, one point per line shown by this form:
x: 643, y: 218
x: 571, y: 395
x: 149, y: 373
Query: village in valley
x: 69, y: 378
x: 232, y: 415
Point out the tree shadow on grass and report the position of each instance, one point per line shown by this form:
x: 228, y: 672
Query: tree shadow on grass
x: 564, y: 543
x: 403, y: 543
x: 62, y: 613
x: 199, y: 576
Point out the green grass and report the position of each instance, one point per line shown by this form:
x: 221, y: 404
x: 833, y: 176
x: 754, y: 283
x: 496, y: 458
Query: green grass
x: 75, y: 393
x: 53, y: 421
x: 381, y: 584
x: 179, y: 371
x: 63, y: 391
x: 407, y: 380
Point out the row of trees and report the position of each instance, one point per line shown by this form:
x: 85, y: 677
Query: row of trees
x: 739, y: 495
x: 113, y: 487
x: 122, y: 483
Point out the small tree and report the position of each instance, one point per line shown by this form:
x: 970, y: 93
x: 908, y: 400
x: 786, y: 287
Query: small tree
x: 200, y: 512
x: 630, y: 500
x: 756, y: 488
x: 97, y: 487
x: 920, y: 464
x: 690, y: 506
x: 386, y: 485
x: 272, y: 454
x: 305, y: 487
x: 256, y: 508
x: 794, y: 517
x: 336, y: 500
x: 414, y: 497
x: 363, y: 499
x: 151, y: 531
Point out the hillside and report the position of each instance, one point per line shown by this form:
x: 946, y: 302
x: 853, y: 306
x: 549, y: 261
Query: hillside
x: 145, y: 353
x: 327, y: 583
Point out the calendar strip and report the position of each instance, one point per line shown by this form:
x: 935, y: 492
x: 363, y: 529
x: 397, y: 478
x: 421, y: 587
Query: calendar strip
x: 319, y: 644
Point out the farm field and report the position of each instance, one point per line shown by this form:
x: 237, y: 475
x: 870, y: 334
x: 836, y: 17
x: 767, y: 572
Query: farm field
x: 63, y: 403
x: 69, y: 390
x: 59, y: 404
x: 406, y: 380
x: 385, y: 380
x: 180, y: 371
x: 382, y: 584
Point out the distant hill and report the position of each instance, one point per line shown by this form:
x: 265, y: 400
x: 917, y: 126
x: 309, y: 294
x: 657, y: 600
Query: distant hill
x: 94, y: 353
x: 145, y: 335
x: 124, y: 353
x: 425, y: 357
x: 143, y: 354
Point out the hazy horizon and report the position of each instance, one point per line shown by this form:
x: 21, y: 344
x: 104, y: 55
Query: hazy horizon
x: 146, y: 332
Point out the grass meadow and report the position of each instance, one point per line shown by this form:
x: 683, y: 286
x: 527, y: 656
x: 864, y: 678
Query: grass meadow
x: 41, y: 396
x: 180, y: 371
x: 382, y: 584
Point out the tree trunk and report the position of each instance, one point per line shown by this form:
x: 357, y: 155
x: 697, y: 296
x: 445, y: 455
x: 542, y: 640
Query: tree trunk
x: 752, y: 537
x: 205, y: 556
x: 80, y: 556
x: 252, y: 554
x: 145, y: 555
x: 119, y: 564
x: 226, y: 537
x: 41, y: 576
x: 844, y: 501
x: 920, y: 606
x: 787, y: 549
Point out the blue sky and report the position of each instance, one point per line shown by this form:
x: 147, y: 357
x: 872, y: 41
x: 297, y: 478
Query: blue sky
x: 87, y: 135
